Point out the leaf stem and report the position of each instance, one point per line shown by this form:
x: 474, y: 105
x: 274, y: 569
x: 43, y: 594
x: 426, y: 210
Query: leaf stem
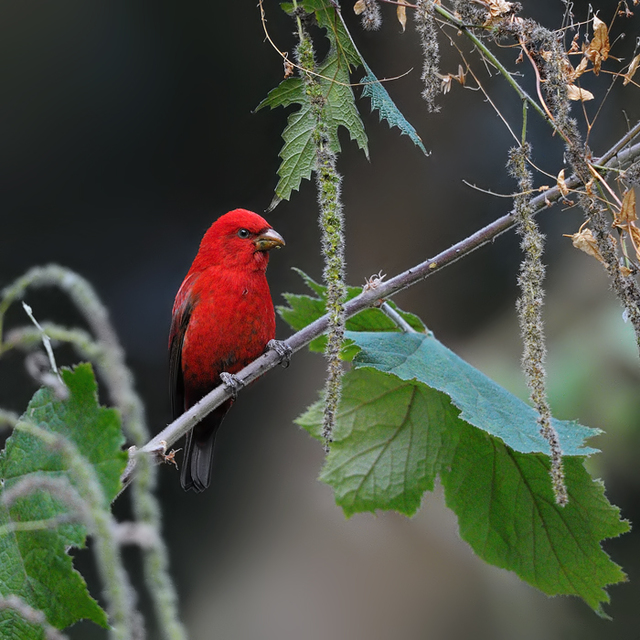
x: 389, y: 311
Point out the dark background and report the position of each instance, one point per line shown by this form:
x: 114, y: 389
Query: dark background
x: 126, y: 128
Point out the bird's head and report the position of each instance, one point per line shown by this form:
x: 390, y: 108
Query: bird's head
x: 239, y: 238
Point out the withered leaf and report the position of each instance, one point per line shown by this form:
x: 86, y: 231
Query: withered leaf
x: 499, y: 7
x: 447, y: 79
x: 580, y: 69
x: 575, y: 47
x: 576, y: 93
x: 634, y: 232
x: 628, y: 208
x: 562, y: 185
x: 288, y: 66
x: 633, y: 67
x: 625, y: 271
x: 401, y: 12
x: 359, y: 7
x: 598, y: 49
x: 585, y: 241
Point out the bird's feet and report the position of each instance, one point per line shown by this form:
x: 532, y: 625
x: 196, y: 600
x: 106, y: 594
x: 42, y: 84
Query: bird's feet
x: 232, y: 382
x: 283, y: 350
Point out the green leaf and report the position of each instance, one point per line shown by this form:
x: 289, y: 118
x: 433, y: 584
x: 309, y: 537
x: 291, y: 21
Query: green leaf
x: 390, y: 440
x: 304, y: 309
x: 298, y: 153
x: 483, y: 403
x: 381, y: 100
x: 393, y: 436
x: 507, y: 513
x: 329, y: 18
x: 332, y: 20
x: 13, y: 626
x: 35, y: 564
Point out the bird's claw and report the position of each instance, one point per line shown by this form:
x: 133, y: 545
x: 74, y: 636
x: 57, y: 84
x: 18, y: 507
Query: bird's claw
x: 232, y: 382
x: 283, y: 350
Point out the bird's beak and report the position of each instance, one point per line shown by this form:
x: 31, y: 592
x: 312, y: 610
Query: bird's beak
x: 268, y: 240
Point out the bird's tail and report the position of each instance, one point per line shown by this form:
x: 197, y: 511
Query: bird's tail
x: 198, y: 453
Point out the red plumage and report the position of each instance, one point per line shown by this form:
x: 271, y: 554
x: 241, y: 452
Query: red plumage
x: 223, y: 318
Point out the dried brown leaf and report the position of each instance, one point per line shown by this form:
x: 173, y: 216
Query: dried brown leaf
x: 580, y: 69
x: 628, y: 208
x: 288, y: 67
x: 575, y: 47
x: 499, y: 7
x: 562, y: 185
x: 576, y: 93
x: 359, y: 7
x: 634, y: 233
x: 585, y: 241
x: 625, y: 271
x: 633, y: 67
x: 588, y: 188
x: 447, y: 79
x: 598, y: 49
x: 401, y: 12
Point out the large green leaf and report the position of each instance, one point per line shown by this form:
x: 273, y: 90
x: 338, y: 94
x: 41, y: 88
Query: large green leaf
x: 507, y: 513
x: 390, y: 440
x: 483, y: 403
x: 393, y: 437
x: 35, y: 564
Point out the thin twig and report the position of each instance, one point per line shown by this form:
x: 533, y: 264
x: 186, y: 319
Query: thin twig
x: 389, y: 311
x: 369, y: 298
x: 488, y: 54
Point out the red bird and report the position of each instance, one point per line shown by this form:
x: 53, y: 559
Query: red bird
x: 223, y: 318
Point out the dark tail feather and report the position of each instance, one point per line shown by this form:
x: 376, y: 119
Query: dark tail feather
x: 198, y: 452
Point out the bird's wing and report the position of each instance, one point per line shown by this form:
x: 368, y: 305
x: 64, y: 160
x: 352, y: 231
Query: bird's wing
x: 181, y: 315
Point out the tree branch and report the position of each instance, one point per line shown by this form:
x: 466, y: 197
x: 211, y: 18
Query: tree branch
x: 368, y: 298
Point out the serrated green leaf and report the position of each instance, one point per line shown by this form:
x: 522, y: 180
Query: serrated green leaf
x: 298, y: 153
x: 35, y: 564
x: 483, y: 403
x: 507, y: 513
x: 15, y: 627
x: 331, y: 19
x: 386, y: 107
x: 393, y: 436
x: 390, y: 440
x: 284, y: 95
x: 304, y: 309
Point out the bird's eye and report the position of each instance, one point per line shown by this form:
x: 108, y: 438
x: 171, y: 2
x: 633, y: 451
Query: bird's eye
x: 243, y: 233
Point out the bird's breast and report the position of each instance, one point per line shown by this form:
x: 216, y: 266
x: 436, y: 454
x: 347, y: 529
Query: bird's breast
x: 229, y: 326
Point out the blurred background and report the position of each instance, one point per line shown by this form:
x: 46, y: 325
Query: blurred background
x: 126, y: 128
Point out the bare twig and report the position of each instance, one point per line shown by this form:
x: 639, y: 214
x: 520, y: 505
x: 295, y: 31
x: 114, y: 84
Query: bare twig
x: 368, y: 298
